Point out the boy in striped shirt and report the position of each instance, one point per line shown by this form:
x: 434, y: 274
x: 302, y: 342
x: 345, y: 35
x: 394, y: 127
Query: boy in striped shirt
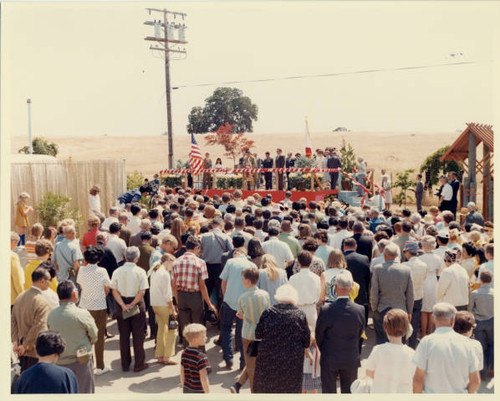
x: 251, y: 304
x: 194, y: 363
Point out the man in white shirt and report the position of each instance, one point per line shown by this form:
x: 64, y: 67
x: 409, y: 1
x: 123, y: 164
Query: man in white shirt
x: 446, y: 194
x: 135, y: 221
x: 445, y: 360
x: 279, y: 249
x: 115, y: 244
x: 342, y: 233
x: 129, y: 284
x: 308, y: 286
x: 418, y: 275
x: 113, y: 218
x: 453, y: 284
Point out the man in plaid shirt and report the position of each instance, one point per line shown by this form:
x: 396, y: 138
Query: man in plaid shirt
x: 189, y: 273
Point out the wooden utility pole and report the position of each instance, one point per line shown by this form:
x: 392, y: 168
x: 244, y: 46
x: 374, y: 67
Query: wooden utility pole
x: 164, y: 41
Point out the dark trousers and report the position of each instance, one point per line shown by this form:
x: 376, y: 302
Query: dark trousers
x: 190, y: 305
x: 153, y: 327
x: 269, y: 180
x: 27, y: 362
x: 280, y: 181
x: 329, y: 379
x: 228, y: 316
x: 288, y: 182
x: 213, y: 282
x: 484, y: 334
x: 415, y: 323
x: 333, y: 180
x: 418, y: 199
x: 134, y: 325
x: 378, y: 325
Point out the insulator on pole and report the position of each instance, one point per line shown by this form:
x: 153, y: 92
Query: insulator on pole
x: 182, y: 32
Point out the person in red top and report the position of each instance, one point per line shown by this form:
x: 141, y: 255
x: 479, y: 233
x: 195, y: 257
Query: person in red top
x: 90, y: 237
x: 189, y: 273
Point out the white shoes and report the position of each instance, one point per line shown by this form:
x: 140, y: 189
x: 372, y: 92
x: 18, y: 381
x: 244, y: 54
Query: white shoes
x: 99, y: 372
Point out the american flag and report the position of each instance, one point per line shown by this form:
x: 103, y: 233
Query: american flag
x: 195, y: 158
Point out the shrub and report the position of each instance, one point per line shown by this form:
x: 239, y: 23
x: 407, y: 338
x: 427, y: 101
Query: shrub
x: 41, y: 147
x: 403, y: 182
x: 134, y: 180
x: 54, y: 208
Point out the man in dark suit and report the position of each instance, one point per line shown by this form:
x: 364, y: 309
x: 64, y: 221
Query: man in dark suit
x: 364, y: 243
x: 268, y: 176
x: 280, y: 163
x: 258, y: 161
x: 419, y: 192
x: 289, y: 163
x: 359, y: 266
x: 340, y: 323
x: 333, y: 162
x: 392, y: 287
x: 455, y: 185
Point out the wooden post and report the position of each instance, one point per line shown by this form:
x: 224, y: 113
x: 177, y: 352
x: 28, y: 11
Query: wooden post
x: 487, y: 184
x: 472, y: 168
x: 317, y: 181
x: 214, y: 181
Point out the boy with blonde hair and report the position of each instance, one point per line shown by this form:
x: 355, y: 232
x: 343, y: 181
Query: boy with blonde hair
x: 194, y: 363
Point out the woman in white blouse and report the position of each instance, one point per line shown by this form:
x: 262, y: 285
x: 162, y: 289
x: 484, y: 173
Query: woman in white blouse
x: 95, y: 202
x: 161, y: 301
x: 390, y: 364
x: 95, y: 284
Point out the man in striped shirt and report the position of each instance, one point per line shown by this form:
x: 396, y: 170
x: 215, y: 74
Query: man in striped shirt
x: 251, y: 304
x: 189, y: 273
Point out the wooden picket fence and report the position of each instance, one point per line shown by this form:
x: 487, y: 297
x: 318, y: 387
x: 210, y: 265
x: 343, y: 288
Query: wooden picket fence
x: 70, y: 178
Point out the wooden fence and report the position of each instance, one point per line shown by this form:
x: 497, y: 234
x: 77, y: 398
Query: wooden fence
x: 70, y: 178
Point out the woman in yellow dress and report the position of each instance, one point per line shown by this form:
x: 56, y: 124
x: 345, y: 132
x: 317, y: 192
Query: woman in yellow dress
x: 22, y: 222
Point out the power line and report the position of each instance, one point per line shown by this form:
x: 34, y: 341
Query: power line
x: 334, y: 74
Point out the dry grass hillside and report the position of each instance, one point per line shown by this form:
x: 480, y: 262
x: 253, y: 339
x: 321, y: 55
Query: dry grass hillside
x: 148, y: 154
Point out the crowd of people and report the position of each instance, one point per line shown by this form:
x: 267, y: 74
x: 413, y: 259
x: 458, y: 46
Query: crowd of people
x: 288, y: 285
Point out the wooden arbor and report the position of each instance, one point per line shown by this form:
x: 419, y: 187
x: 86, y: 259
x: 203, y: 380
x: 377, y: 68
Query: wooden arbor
x: 465, y: 148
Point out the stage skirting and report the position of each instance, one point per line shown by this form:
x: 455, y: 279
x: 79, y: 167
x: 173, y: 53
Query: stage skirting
x: 277, y: 195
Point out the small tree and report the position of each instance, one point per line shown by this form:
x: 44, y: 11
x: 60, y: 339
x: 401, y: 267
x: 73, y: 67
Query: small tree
x: 403, y: 182
x: 347, y: 157
x: 134, y: 180
x: 234, y: 144
x: 436, y: 167
x: 41, y: 147
x: 54, y: 208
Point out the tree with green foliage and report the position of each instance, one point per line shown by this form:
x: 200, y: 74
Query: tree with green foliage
x: 41, y: 146
x: 54, y: 208
x: 403, y: 182
x: 226, y: 105
x: 436, y: 167
x: 134, y: 180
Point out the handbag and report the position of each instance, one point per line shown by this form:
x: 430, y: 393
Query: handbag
x: 132, y: 312
x: 253, y: 348
x: 362, y: 386
x: 172, y: 323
